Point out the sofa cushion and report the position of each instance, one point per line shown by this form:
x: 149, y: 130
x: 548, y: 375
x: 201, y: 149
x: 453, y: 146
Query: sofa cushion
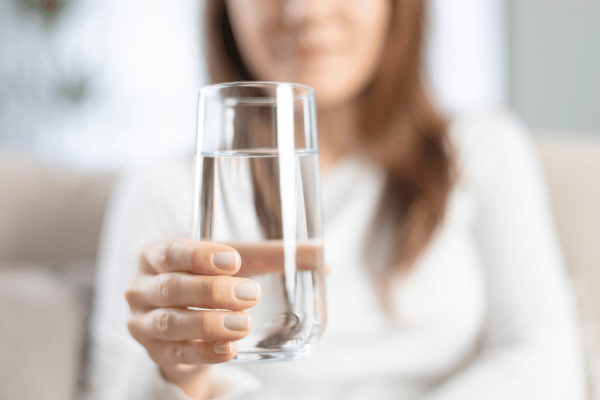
x: 572, y: 168
x: 41, y: 334
x: 49, y: 214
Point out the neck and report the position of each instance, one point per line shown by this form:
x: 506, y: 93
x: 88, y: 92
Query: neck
x: 338, y: 127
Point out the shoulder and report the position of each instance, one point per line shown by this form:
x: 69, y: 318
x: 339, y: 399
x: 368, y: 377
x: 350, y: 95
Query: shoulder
x: 157, y: 194
x: 164, y: 180
x: 169, y: 173
x: 484, y: 142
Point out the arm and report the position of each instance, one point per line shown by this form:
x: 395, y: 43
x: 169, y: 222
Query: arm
x: 115, y: 355
x: 143, y: 210
x: 530, y: 347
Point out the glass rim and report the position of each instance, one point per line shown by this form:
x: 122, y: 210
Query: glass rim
x: 208, y: 92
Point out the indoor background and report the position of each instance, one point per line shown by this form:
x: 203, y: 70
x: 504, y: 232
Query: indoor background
x: 90, y: 88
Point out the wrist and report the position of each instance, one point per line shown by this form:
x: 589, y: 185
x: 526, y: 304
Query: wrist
x: 193, y: 380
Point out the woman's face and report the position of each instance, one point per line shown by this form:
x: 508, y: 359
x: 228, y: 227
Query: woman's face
x: 331, y: 45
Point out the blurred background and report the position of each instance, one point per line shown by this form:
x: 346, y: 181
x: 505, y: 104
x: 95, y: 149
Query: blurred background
x: 89, y: 88
x: 104, y: 84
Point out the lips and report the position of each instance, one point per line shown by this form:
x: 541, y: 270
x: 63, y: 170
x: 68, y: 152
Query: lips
x: 303, y: 53
x: 302, y: 48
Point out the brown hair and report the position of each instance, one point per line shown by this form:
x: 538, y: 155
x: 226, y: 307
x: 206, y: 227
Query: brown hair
x: 400, y: 127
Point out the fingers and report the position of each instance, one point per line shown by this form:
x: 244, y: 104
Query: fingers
x: 173, y: 324
x: 183, y: 290
x: 207, y: 258
x: 185, y: 255
x: 190, y: 352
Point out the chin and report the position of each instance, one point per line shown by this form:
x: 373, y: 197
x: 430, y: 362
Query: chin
x: 330, y: 88
x: 325, y: 93
x: 327, y: 96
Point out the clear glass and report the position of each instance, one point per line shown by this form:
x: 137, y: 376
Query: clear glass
x: 258, y: 190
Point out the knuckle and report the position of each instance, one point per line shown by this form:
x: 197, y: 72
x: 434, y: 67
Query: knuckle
x: 156, y: 357
x: 142, y: 257
x: 158, y: 354
x: 137, y: 329
x: 209, y: 291
x: 132, y: 295
x: 164, y: 256
x: 146, y: 255
x: 205, y: 327
x: 177, y: 356
x: 164, y: 322
x: 132, y: 327
x: 165, y: 287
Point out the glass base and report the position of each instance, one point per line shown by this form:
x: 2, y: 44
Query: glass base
x: 271, y: 355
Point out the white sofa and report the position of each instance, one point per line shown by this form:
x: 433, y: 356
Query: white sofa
x: 50, y: 218
x: 572, y: 166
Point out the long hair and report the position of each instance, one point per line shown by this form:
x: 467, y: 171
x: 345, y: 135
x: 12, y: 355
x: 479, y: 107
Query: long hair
x: 400, y: 127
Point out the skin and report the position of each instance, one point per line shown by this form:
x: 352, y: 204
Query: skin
x: 172, y: 275
x: 331, y: 45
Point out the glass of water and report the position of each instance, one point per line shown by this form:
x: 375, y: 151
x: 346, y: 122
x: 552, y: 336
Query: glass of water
x: 258, y: 190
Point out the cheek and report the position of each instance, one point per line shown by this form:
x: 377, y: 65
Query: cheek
x: 251, y: 28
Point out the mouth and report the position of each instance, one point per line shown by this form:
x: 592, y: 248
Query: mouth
x: 305, y: 53
x: 298, y: 49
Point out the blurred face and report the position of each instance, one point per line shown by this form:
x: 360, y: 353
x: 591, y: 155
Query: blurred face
x: 332, y: 45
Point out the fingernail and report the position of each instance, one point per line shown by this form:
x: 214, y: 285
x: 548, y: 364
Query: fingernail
x: 237, y: 321
x: 247, y: 290
x: 228, y: 260
x: 222, y: 348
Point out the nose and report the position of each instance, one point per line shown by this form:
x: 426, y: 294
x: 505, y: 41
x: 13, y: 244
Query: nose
x: 298, y: 12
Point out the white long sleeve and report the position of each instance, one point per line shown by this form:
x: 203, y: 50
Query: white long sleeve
x: 530, y: 347
x: 145, y: 207
x: 485, y: 313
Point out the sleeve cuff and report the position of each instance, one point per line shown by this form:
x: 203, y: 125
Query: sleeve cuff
x: 234, y: 382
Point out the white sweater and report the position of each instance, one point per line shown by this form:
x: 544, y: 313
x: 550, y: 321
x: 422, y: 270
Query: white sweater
x: 486, y: 313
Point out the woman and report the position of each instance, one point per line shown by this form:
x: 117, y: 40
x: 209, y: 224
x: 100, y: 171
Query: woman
x: 446, y: 281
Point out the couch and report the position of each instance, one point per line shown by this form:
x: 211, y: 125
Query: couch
x: 50, y: 219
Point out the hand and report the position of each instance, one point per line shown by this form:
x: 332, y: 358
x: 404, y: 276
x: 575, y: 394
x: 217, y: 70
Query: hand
x: 171, y: 277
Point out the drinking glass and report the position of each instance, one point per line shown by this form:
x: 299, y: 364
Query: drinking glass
x: 257, y: 189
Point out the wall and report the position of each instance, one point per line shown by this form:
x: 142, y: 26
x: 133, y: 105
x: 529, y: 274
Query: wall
x: 555, y: 63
